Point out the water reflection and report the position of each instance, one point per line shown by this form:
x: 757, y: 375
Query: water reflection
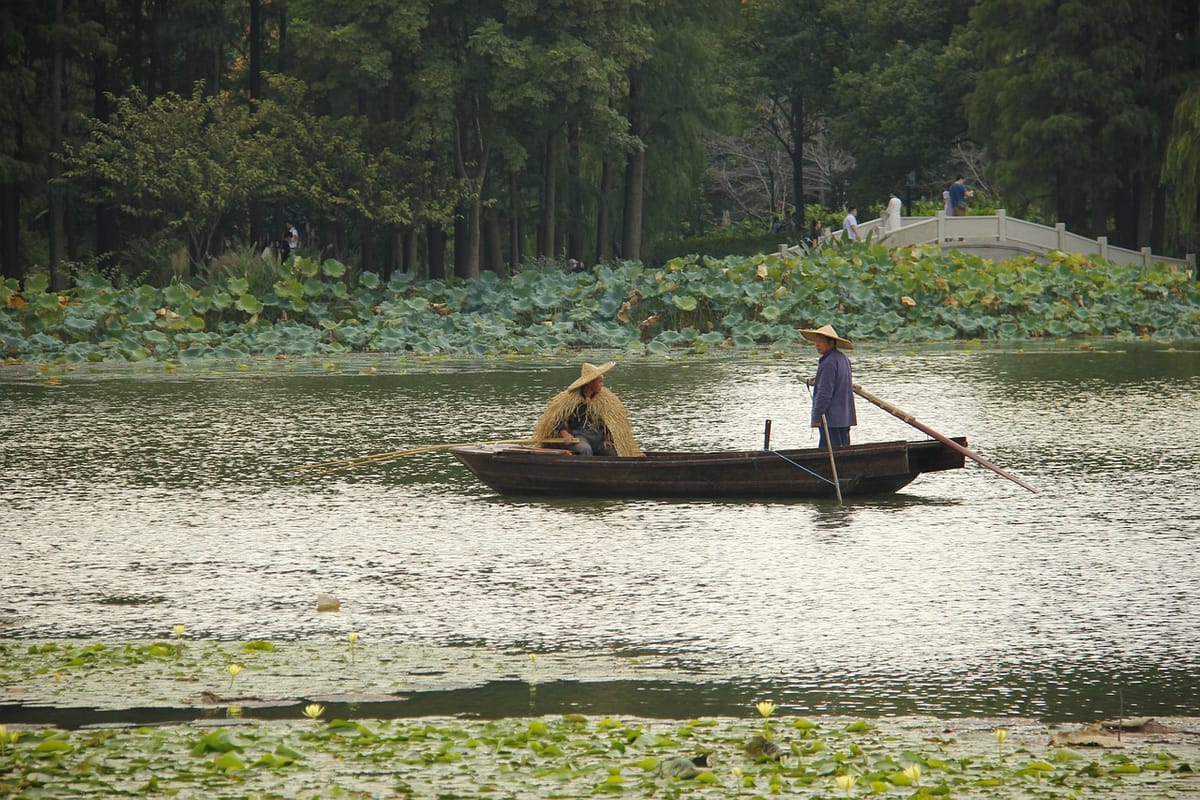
x: 134, y: 503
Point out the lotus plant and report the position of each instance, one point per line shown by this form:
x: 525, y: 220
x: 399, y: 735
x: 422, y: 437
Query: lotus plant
x: 766, y: 708
x: 234, y: 669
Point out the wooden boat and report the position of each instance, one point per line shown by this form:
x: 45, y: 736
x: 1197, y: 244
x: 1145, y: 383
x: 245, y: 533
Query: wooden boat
x: 862, y: 469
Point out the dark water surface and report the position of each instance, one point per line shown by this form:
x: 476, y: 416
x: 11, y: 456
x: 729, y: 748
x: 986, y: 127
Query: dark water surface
x: 133, y: 501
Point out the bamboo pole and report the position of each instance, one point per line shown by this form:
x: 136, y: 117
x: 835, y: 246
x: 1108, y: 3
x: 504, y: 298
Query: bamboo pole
x: 358, y: 461
x: 911, y: 420
x: 837, y: 486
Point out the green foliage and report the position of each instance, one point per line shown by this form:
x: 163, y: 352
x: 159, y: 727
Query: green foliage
x: 1052, y: 77
x: 690, y: 303
x: 1181, y: 170
x: 179, y: 161
x: 565, y: 757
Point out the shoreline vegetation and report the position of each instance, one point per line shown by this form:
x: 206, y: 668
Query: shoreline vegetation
x: 314, y: 745
x: 690, y: 305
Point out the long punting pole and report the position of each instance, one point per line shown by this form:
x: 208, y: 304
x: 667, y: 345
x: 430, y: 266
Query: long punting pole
x: 911, y: 420
x: 837, y: 486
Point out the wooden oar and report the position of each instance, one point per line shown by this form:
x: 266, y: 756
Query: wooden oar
x: 358, y: 461
x: 837, y: 486
x: 911, y: 420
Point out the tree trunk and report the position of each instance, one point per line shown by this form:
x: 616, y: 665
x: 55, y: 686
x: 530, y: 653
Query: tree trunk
x: 58, y: 214
x: 106, y: 231
x: 574, y: 193
x: 281, y: 59
x: 411, y: 248
x: 466, y: 240
x: 256, y: 50
x: 437, y: 251
x: 549, y: 197
x: 516, y: 243
x: 460, y: 241
x: 10, y: 230
x: 798, y: 139
x: 493, y: 249
x: 635, y: 177
x: 258, y: 237
x: 603, y: 219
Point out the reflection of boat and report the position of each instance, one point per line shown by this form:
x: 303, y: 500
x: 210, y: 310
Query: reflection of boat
x: 862, y: 469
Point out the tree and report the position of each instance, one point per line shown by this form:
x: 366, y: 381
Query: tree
x: 898, y: 101
x: 1181, y: 169
x: 795, y: 49
x: 1074, y: 101
x: 181, y: 162
x: 677, y: 98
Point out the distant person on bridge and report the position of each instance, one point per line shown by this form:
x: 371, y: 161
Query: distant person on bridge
x: 891, y: 214
x: 813, y: 236
x: 850, y: 224
x: 959, y: 194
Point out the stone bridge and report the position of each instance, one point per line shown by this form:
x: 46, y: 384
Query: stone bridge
x: 1000, y: 237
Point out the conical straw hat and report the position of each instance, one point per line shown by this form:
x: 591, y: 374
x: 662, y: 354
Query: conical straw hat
x: 827, y: 330
x: 589, y: 373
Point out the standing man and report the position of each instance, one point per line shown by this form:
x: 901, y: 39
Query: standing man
x: 850, y: 224
x: 958, y: 197
x: 833, y: 387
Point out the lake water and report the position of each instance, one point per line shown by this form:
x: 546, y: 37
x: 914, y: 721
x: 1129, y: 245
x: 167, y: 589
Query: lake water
x: 132, y: 500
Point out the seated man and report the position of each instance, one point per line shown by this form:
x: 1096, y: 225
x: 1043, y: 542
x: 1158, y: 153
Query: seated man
x: 588, y: 417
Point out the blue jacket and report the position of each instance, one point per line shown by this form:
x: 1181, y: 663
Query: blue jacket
x: 833, y: 393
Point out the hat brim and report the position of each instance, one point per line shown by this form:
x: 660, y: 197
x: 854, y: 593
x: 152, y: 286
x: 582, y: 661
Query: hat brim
x: 813, y: 336
x: 589, y: 375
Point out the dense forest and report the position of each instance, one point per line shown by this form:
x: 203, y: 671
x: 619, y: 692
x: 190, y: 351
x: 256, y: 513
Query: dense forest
x: 149, y: 139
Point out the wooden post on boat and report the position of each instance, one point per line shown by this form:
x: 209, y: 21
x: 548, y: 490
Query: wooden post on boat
x: 767, y: 436
x: 837, y: 485
x: 946, y: 440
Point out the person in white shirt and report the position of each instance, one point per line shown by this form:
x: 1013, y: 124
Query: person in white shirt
x: 891, y: 216
x: 850, y: 224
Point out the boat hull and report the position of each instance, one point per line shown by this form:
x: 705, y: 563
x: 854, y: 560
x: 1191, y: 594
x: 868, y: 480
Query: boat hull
x: 865, y: 469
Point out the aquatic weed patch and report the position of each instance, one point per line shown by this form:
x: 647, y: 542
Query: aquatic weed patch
x: 195, y: 673
x: 575, y: 756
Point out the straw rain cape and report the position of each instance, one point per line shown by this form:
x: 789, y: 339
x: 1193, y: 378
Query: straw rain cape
x: 604, y: 412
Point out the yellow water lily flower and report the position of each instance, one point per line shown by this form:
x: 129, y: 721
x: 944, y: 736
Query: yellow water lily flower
x: 234, y: 669
x: 765, y: 707
x: 180, y: 631
x: 1001, y: 735
x: 352, y: 636
x: 845, y: 782
x: 314, y: 710
x: 913, y: 772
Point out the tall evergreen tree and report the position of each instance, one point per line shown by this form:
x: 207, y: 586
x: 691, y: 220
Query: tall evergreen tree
x: 1074, y: 100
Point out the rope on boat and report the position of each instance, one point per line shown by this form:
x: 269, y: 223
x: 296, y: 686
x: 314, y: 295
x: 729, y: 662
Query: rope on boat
x: 816, y: 475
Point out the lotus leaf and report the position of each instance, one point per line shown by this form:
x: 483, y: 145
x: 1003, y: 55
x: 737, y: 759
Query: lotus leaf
x: 248, y: 303
x: 79, y: 325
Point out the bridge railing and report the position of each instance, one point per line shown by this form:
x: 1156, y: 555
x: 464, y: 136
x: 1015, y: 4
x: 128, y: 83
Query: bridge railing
x: 1004, y: 232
